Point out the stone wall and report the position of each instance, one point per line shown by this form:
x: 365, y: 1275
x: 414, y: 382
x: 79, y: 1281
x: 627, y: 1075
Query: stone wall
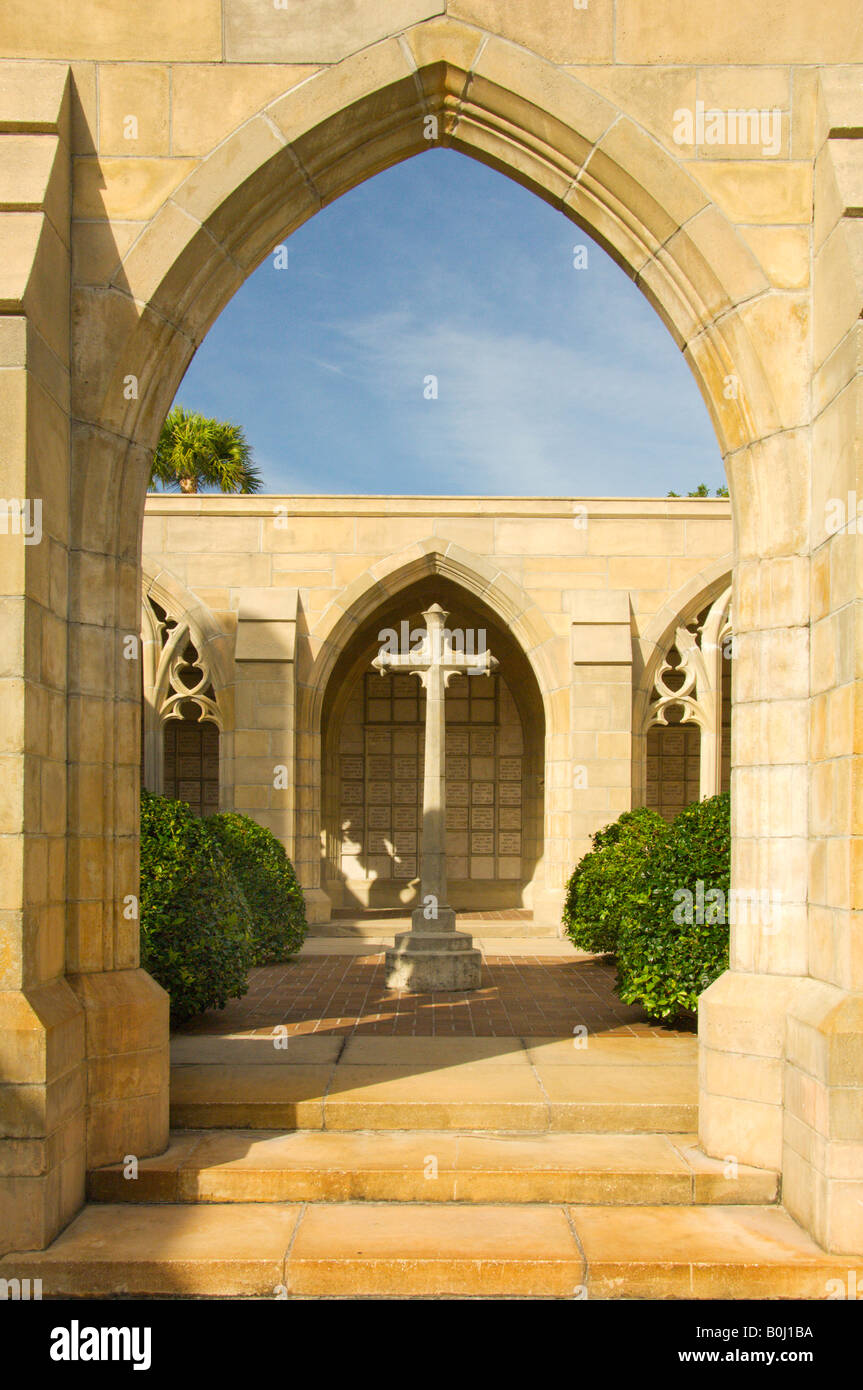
x: 151, y: 158
x: 588, y: 576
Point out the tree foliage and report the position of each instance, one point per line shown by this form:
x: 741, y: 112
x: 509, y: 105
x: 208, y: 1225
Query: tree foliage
x: 196, y: 454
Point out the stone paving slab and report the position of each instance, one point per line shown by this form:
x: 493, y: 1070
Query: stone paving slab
x: 252, y: 1096
x: 474, y: 1095
x: 441, y: 1251
x: 702, y: 1252
x: 435, y: 1052
x: 308, y: 1050
x: 417, y: 1250
x: 602, y: 1050
x: 500, y: 946
x: 184, y: 1251
x: 597, y: 1097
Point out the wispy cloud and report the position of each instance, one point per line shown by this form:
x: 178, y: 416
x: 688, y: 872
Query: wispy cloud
x: 518, y: 412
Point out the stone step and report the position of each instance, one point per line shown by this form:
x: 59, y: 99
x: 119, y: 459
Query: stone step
x: 309, y: 1166
x: 380, y: 928
x: 508, y: 1085
x: 393, y: 1250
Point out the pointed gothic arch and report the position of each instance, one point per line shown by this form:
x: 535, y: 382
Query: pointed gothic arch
x: 544, y: 656
x: 184, y: 681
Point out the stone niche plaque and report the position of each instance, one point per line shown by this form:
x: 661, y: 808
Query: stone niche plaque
x: 481, y: 844
x: 457, y: 793
x: 509, y: 844
x: 378, y: 741
x: 405, y: 767
x: 482, y: 742
x: 482, y: 818
x: 482, y: 793
x: 379, y: 818
x: 457, y: 742
x: 456, y: 768
x: 509, y: 769
x: 509, y: 817
x: 404, y: 817
x: 405, y: 793
x: 352, y: 767
x: 456, y: 818
x: 510, y: 793
x: 352, y: 793
x: 379, y: 766
x: 378, y: 793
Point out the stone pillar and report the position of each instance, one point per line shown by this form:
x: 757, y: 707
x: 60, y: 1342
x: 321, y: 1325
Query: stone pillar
x: 42, y: 1075
x: 264, y: 702
x: 781, y: 1033
x: 822, y: 1154
x: 83, y: 1059
x: 601, y: 713
x: 265, y: 782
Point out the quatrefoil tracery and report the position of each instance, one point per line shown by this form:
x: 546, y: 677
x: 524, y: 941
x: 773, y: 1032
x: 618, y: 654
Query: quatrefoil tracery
x: 686, y: 679
x: 183, y: 680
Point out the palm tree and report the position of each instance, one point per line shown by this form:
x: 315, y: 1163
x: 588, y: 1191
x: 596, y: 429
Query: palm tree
x: 195, y: 454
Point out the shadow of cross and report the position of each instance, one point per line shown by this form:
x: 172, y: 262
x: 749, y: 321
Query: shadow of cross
x: 433, y: 955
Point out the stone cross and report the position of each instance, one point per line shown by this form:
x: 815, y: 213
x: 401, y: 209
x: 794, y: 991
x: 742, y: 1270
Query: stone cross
x: 433, y: 955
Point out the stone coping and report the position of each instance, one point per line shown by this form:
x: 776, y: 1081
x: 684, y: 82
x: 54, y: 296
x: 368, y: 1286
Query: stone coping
x: 344, y: 504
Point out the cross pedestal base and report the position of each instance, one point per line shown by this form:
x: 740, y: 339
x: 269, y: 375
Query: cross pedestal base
x: 433, y: 956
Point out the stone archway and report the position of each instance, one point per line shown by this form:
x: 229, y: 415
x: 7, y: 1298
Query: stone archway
x: 372, y: 738
x: 340, y: 643
x: 157, y: 255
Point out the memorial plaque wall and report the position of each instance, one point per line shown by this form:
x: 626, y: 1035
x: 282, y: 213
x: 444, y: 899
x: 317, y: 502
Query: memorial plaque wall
x: 672, y: 768
x: 380, y: 773
x: 191, y: 764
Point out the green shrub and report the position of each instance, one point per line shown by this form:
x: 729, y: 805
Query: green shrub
x: 269, y: 885
x: 677, y: 943
x: 195, y: 923
x: 610, y: 882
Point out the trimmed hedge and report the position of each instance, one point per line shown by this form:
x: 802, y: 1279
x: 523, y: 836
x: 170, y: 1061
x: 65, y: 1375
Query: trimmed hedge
x: 677, y: 942
x: 196, y: 928
x: 269, y: 885
x: 611, y: 882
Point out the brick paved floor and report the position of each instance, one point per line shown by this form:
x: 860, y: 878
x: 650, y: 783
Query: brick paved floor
x: 520, y: 996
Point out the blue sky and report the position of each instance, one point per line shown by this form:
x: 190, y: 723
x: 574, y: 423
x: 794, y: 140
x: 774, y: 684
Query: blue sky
x: 551, y: 380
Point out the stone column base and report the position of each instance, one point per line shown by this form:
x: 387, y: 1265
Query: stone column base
x: 42, y: 1098
x: 442, y: 958
x: 547, y: 905
x: 780, y: 1084
x: 741, y: 1051
x: 822, y: 1157
x: 319, y: 908
x: 127, y: 1041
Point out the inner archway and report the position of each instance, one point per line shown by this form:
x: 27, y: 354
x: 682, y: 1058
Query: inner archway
x: 372, y: 740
